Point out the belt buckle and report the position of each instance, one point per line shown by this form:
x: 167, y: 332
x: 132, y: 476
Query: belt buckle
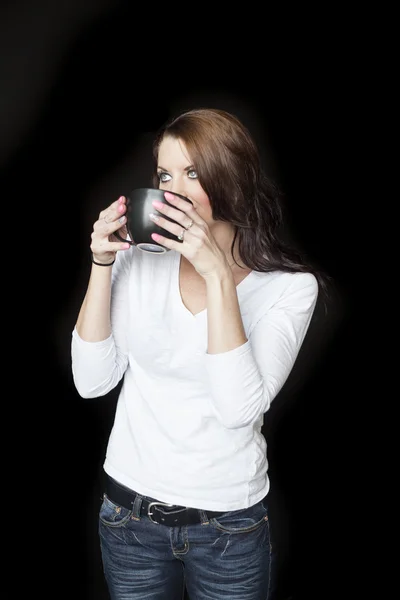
x: 149, y: 514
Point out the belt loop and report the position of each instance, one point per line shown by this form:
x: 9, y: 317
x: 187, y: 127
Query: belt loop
x: 137, y: 505
x: 203, y: 517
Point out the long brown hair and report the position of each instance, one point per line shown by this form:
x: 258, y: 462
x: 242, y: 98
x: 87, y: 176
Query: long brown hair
x: 229, y: 169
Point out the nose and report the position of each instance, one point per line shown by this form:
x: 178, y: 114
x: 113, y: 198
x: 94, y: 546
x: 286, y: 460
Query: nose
x: 175, y: 188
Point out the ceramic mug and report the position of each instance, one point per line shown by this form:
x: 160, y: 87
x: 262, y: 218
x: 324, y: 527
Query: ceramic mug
x: 140, y: 226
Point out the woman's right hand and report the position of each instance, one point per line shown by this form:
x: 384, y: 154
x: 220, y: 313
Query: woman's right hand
x: 104, y: 245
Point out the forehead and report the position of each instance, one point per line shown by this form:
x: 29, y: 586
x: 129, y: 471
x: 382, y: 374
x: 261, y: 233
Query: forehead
x: 173, y: 153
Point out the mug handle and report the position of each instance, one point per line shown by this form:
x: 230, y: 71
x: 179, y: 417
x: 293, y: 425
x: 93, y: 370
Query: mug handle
x: 121, y: 239
x: 117, y: 234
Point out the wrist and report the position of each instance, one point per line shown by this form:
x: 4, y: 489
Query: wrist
x: 219, y: 276
x: 102, y: 262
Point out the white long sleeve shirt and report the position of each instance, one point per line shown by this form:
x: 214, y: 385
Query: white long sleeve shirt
x: 187, y: 427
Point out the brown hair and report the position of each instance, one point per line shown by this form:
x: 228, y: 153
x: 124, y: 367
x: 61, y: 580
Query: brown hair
x: 228, y: 165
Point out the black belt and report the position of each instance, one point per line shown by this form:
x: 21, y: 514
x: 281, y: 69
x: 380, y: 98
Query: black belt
x: 161, y: 513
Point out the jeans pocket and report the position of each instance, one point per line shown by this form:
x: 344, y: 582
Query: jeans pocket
x: 113, y: 515
x: 244, y: 520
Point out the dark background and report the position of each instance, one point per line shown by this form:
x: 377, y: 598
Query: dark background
x: 84, y: 88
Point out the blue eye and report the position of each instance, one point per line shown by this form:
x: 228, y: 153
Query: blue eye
x: 163, y: 177
x: 192, y: 174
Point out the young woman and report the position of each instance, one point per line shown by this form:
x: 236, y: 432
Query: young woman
x: 204, y: 338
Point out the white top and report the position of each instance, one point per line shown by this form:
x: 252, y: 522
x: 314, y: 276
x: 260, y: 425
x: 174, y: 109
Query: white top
x: 187, y: 428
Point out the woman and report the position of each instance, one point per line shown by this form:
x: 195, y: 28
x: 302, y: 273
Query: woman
x: 204, y: 338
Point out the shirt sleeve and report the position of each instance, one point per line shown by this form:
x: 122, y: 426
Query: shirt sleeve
x: 244, y: 381
x: 97, y: 367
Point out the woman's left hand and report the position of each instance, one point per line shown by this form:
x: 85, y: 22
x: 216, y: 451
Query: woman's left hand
x: 198, y: 245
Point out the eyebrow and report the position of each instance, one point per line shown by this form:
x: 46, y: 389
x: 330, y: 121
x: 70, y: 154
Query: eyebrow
x: 185, y: 169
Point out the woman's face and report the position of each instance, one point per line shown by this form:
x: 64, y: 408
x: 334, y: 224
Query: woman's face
x: 177, y: 174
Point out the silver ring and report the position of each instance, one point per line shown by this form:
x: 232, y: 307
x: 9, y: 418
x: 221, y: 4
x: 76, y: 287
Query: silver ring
x: 190, y: 224
x: 180, y: 236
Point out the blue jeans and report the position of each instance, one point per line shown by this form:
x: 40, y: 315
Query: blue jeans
x: 226, y: 558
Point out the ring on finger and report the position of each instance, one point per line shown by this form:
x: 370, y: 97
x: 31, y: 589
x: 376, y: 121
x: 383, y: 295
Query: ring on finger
x: 190, y: 224
x: 181, y: 235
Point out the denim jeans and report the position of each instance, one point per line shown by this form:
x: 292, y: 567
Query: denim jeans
x: 226, y: 558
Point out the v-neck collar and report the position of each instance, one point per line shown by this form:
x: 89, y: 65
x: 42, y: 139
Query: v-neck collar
x: 177, y: 289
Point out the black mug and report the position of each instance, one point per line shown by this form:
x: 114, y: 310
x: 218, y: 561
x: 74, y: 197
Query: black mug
x: 140, y: 226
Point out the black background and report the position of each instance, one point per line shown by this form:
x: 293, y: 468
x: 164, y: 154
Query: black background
x: 84, y: 88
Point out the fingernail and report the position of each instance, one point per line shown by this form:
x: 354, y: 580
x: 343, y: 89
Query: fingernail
x: 154, y: 217
x: 121, y: 220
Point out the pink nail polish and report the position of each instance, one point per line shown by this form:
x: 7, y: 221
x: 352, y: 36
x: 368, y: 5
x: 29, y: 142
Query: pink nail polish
x: 157, y: 204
